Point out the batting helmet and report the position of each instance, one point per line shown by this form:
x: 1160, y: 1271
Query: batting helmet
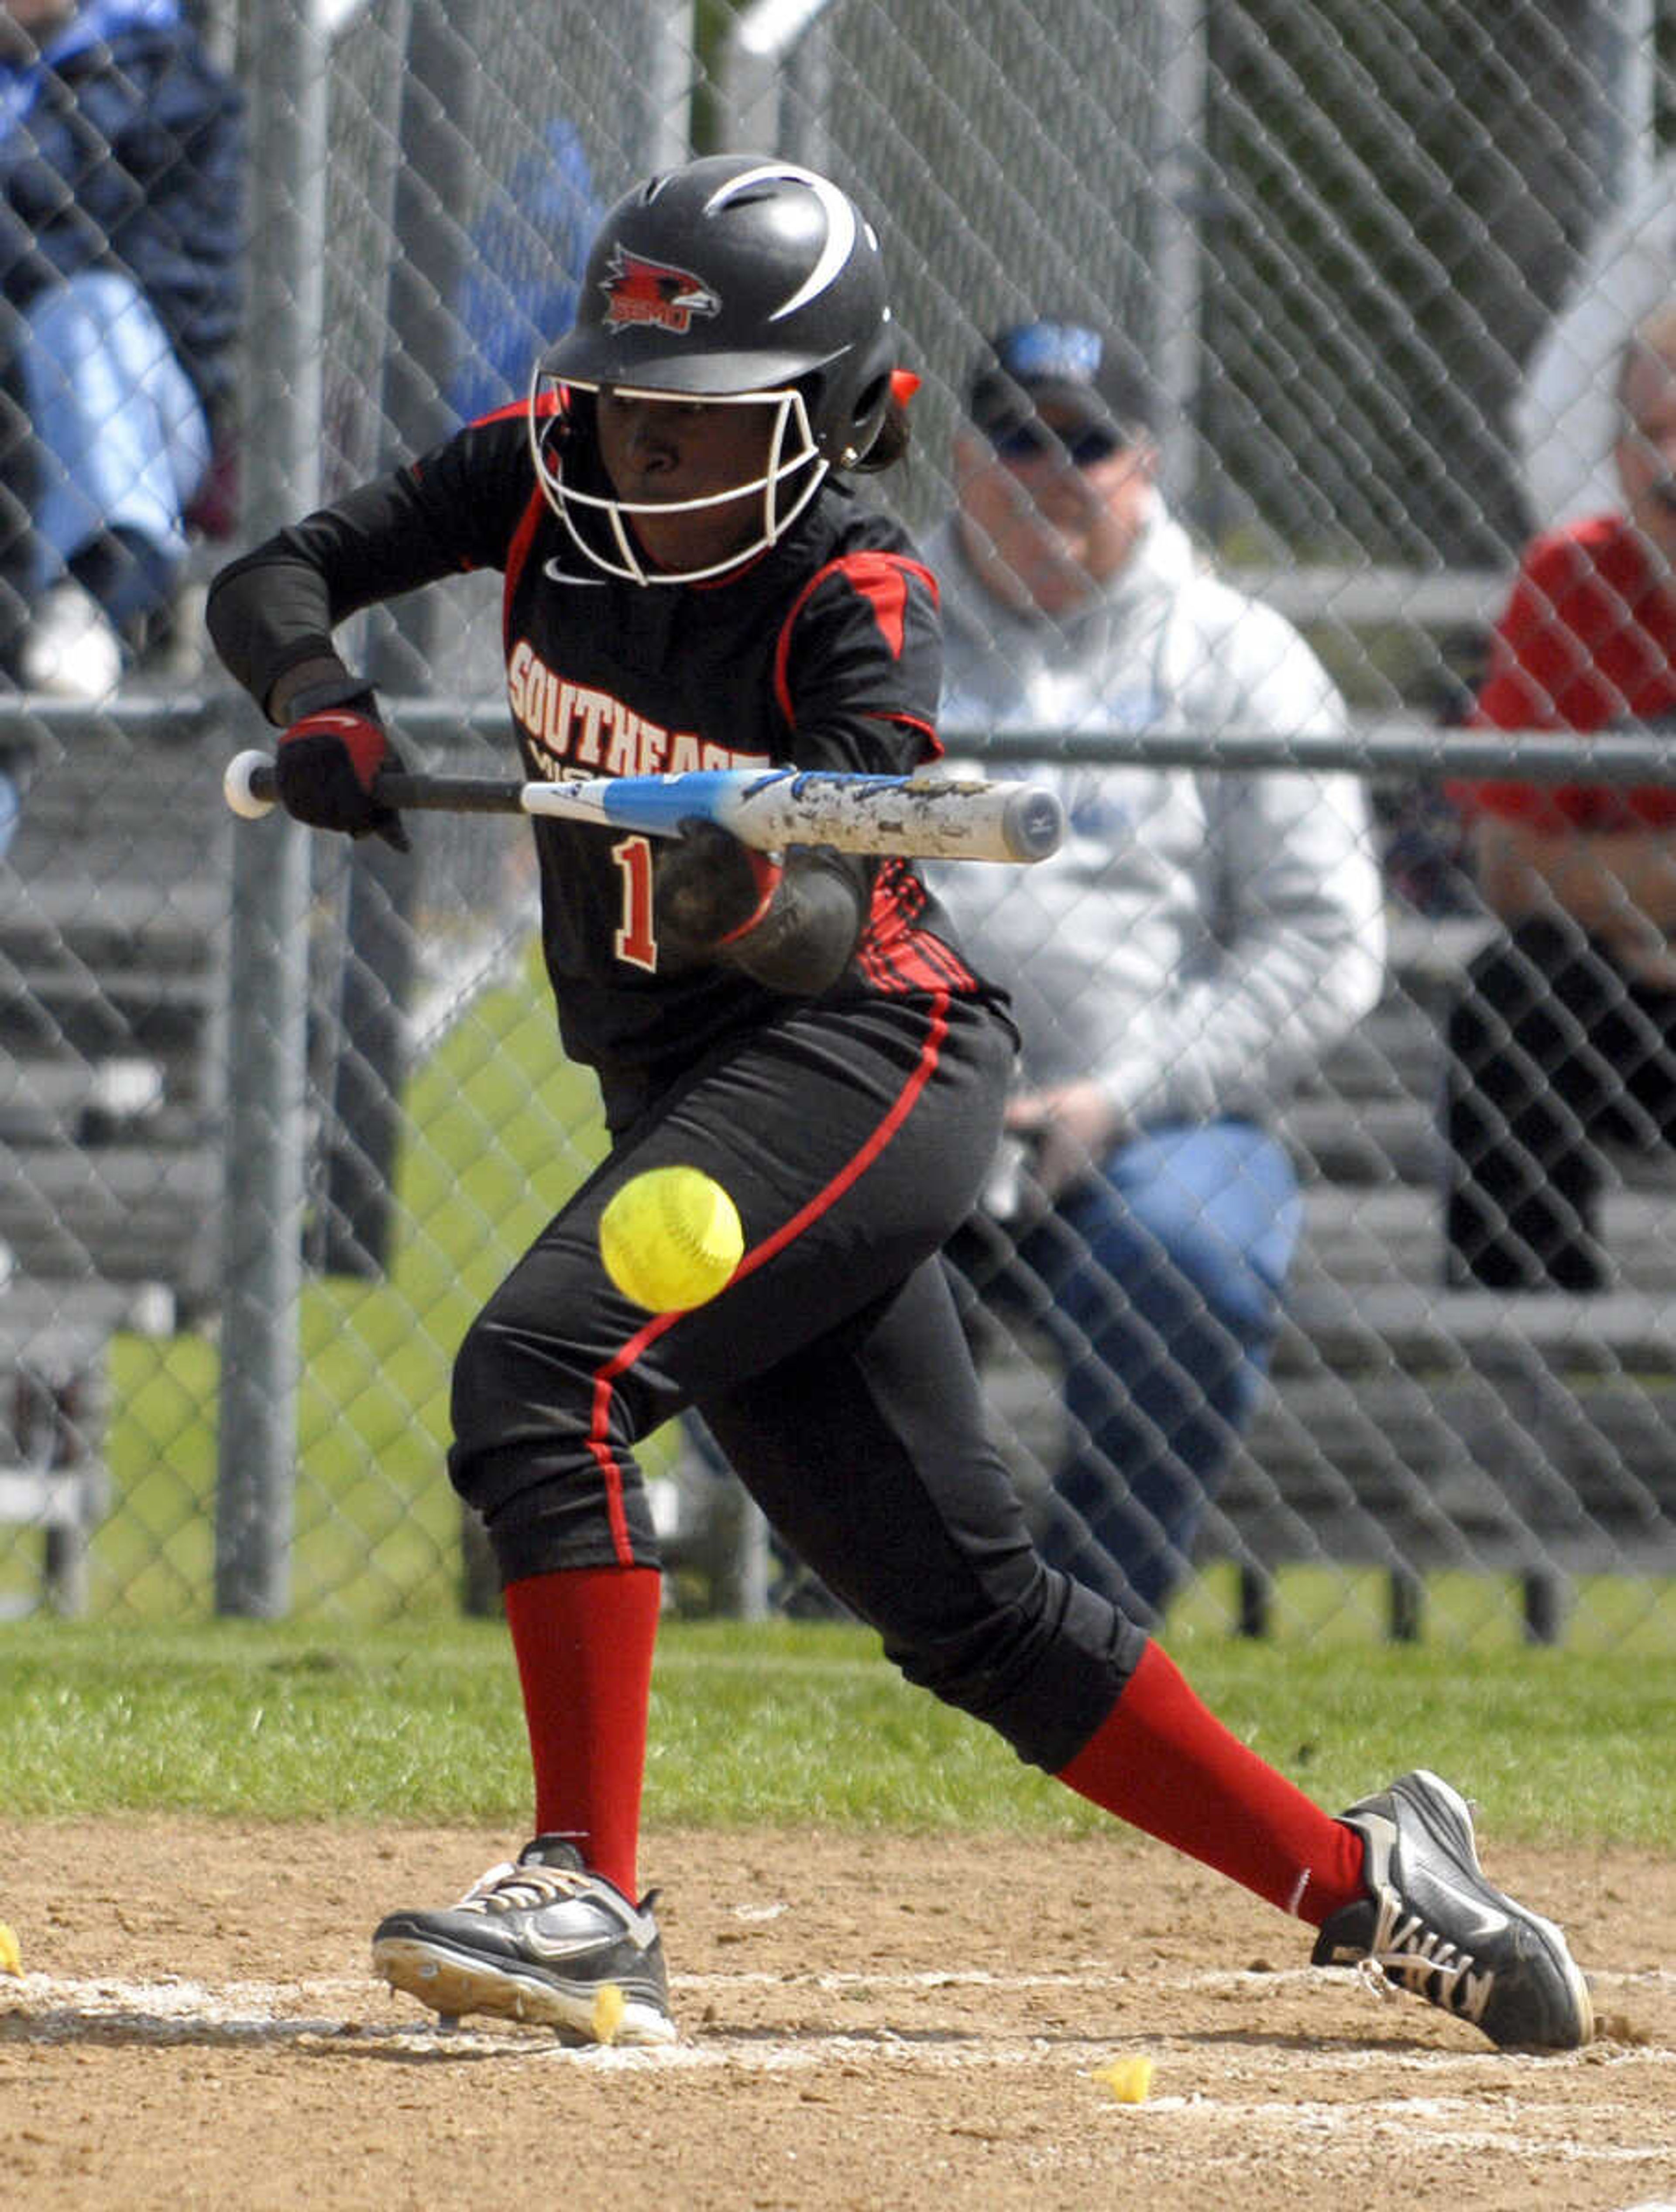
x: 735, y: 278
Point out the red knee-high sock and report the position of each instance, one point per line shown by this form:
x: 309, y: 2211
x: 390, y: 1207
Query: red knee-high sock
x: 583, y: 1639
x: 1162, y: 1762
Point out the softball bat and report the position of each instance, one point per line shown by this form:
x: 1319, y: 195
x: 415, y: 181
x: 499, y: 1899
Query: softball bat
x: 920, y: 817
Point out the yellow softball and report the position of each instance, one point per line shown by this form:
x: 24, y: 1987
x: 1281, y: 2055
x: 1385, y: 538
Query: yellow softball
x: 670, y: 1239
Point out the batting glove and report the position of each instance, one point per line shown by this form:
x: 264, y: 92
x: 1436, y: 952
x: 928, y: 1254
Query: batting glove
x: 791, y: 926
x: 328, y: 758
x: 711, y: 891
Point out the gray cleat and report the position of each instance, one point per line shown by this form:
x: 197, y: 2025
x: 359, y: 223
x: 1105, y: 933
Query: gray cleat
x: 540, y: 1940
x: 1433, y: 1925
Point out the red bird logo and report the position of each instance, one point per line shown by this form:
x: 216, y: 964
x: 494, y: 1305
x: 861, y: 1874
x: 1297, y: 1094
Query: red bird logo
x: 639, y: 291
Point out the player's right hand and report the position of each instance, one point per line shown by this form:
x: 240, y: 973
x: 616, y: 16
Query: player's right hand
x: 711, y: 890
x: 324, y: 768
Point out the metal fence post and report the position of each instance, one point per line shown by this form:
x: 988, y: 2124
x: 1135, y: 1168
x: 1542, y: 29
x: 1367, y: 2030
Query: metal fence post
x: 267, y: 1121
x: 756, y: 50
x: 1179, y: 123
x: 369, y: 1055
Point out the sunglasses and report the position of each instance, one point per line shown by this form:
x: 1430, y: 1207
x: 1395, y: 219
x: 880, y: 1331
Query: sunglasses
x: 1035, y: 441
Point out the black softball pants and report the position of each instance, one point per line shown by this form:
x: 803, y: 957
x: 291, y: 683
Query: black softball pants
x: 1552, y: 1049
x: 853, y: 1137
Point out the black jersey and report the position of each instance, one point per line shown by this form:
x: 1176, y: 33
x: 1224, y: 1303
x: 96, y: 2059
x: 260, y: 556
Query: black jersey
x: 823, y: 653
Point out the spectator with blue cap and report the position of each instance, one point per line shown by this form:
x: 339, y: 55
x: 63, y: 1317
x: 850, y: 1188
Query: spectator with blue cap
x: 1200, y: 941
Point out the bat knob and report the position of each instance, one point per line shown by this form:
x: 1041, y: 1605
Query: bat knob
x: 1033, y: 826
x: 239, y: 783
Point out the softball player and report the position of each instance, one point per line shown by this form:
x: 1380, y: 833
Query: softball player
x: 689, y: 583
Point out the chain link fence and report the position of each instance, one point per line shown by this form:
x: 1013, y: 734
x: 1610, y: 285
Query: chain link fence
x: 278, y: 1115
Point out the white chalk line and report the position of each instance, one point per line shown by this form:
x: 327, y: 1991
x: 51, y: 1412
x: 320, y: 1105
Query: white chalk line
x: 48, y: 2009
x: 52, y: 2004
x: 181, y: 1997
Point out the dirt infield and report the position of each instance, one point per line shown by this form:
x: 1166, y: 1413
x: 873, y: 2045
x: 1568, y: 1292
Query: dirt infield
x: 874, y: 2022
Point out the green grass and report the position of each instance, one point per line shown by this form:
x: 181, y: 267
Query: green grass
x: 784, y: 1724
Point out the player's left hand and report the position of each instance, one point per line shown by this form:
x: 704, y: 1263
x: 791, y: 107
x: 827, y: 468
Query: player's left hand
x: 709, y: 890
x: 326, y: 766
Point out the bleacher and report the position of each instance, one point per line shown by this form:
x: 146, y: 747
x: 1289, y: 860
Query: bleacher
x: 1411, y: 1427
x: 1418, y: 1427
x: 113, y: 941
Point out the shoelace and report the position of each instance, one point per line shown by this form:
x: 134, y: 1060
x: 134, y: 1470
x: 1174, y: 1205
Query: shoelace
x: 510, y: 1888
x: 1410, y: 1952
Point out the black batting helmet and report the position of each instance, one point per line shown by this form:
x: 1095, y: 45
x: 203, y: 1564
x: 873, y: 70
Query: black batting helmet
x: 740, y: 278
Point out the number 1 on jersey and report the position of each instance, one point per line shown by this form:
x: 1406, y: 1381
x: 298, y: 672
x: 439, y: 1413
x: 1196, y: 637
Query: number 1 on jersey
x: 634, y: 942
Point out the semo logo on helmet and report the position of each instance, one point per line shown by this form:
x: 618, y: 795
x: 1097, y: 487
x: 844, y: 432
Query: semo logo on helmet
x: 638, y: 291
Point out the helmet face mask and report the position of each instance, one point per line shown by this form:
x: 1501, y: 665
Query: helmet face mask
x: 600, y: 522
x: 736, y: 280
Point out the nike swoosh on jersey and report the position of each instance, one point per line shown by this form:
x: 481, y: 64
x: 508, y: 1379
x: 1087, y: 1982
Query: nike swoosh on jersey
x: 555, y: 574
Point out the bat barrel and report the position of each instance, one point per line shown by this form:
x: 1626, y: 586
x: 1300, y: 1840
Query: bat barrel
x: 931, y: 817
x: 1033, y: 825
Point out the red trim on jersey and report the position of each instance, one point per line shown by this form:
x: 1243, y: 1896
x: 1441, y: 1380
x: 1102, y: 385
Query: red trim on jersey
x: 549, y: 402
x: 881, y: 579
x: 605, y: 1378
x: 896, y: 955
x: 782, y: 644
x: 923, y: 731
x: 517, y: 554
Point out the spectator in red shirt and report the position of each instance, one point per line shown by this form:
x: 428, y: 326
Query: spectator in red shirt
x: 1566, y: 1035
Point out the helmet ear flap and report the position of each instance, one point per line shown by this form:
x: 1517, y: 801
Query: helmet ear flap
x: 870, y: 406
x: 851, y: 431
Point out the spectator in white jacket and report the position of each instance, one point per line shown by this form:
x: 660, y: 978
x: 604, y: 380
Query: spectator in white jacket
x: 1199, y: 942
